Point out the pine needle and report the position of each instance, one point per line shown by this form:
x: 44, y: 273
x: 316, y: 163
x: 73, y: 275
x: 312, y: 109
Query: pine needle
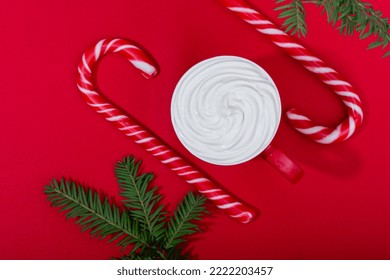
x: 143, y: 223
x: 295, y: 17
x: 190, y: 209
x: 103, y: 219
x: 350, y: 16
x: 140, y: 201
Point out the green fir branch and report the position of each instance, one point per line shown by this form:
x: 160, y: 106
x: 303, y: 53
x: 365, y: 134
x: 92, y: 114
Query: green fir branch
x: 140, y: 201
x: 351, y: 15
x: 191, y: 209
x: 143, y: 223
x: 103, y: 219
x: 294, y: 15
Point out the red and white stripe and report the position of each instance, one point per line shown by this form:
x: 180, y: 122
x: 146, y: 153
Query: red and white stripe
x: 318, y: 133
x: 140, y: 134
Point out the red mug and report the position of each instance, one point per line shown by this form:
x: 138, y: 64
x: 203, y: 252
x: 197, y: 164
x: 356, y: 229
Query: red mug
x: 226, y: 110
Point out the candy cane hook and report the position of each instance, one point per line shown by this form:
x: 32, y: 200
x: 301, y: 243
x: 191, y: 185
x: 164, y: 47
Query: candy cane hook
x: 328, y: 75
x: 140, y: 134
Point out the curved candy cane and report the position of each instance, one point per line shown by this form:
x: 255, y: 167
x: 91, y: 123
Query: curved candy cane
x: 328, y: 75
x: 140, y: 134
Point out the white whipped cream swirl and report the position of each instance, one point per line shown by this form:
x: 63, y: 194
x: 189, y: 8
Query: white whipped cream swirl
x: 226, y: 110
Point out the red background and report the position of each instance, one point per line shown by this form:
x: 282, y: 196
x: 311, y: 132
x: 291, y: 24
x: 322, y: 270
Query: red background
x: 339, y: 210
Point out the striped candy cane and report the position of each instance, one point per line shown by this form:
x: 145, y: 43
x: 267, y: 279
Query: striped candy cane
x: 140, y: 134
x: 328, y: 75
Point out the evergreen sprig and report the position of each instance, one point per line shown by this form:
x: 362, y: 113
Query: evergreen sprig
x: 180, y: 224
x: 139, y: 199
x: 351, y: 15
x: 102, y: 218
x: 295, y: 16
x: 143, y: 223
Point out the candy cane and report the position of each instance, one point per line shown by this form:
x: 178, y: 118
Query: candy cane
x: 328, y: 75
x: 140, y: 134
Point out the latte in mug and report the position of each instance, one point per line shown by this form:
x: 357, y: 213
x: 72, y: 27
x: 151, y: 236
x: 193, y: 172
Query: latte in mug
x: 226, y: 110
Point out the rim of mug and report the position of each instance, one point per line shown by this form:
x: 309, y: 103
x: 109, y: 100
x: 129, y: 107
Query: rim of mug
x: 223, y: 58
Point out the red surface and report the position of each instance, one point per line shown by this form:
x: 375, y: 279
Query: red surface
x: 339, y: 210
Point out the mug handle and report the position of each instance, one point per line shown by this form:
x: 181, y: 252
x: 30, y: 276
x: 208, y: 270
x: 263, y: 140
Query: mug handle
x: 283, y: 164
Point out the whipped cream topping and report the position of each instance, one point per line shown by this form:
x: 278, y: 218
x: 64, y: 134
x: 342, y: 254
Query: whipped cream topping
x: 226, y: 110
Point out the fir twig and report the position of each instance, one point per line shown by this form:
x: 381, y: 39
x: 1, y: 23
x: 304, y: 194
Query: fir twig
x: 140, y: 201
x: 295, y: 16
x: 352, y: 16
x: 190, y: 209
x: 103, y: 219
x: 142, y: 224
